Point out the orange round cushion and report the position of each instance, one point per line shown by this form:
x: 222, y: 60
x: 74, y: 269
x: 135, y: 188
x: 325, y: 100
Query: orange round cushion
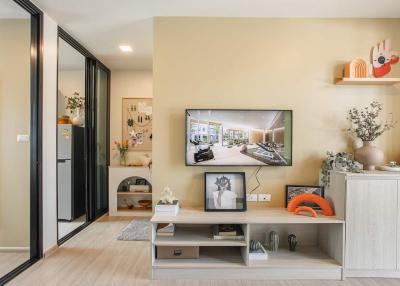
x: 324, y: 204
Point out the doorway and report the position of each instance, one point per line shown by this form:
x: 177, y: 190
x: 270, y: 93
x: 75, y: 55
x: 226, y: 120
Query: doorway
x: 83, y: 136
x: 71, y: 140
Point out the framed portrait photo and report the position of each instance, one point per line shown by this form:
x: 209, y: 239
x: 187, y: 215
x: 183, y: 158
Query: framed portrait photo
x: 224, y: 192
x: 294, y: 190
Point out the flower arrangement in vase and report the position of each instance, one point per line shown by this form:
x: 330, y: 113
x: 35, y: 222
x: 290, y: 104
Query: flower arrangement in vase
x: 122, y: 147
x: 367, y: 127
x: 76, y: 104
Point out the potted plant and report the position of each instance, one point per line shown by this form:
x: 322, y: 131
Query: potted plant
x: 122, y: 147
x: 367, y: 126
x: 76, y: 104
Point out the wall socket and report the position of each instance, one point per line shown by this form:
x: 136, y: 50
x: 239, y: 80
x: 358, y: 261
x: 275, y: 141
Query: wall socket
x: 264, y: 197
x: 251, y: 197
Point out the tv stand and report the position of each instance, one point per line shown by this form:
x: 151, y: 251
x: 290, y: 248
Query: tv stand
x: 319, y: 255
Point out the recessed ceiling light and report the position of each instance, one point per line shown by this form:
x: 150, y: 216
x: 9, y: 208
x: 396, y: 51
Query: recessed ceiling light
x: 125, y: 48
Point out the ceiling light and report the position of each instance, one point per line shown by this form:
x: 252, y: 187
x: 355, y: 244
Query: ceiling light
x: 125, y: 48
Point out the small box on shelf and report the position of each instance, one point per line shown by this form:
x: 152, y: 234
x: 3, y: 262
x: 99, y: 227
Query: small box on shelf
x: 167, y: 209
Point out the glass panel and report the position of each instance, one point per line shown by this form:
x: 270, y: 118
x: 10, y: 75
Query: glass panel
x: 71, y: 153
x: 101, y: 139
x: 15, y: 114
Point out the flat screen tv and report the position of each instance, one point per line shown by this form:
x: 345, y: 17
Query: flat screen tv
x: 233, y: 137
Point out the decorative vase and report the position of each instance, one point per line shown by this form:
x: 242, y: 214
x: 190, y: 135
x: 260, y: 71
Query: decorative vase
x: 122, y: 158
x: 368, y: 155
x: 273, y: 241
x: 292, y: 240
x: 79, y: 118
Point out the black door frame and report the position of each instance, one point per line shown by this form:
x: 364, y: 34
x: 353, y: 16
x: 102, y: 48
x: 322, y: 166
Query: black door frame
x: 98, y: 65
x: 36, y: 95
x: 90, y: 107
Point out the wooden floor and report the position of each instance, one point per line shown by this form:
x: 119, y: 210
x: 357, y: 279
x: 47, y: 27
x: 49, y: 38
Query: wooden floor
x: 11, y: 260
x: 95, y: 257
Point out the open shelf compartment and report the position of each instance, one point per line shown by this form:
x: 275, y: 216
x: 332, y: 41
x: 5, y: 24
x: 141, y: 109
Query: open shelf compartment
x: 196, y: 235
x: 319, y: 246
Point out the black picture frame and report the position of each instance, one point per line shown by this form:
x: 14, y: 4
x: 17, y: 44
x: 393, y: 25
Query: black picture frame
x: 305, y: 189
x: 211, y: 175
x: 188, y: 110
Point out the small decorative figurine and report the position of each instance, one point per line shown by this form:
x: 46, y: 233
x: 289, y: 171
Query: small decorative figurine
x: 357, y: 68
x: 292, y: 240
x: 167, y: 196
x: 255, y: 245
x: 382, y: 58
x: 273, y: 241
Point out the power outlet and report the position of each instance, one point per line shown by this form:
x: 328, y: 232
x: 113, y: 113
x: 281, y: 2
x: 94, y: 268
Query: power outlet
x: 264, y: 197
x: 251, y: 197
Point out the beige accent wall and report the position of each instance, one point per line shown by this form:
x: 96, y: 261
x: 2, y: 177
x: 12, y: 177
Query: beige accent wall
x: 14, y: 120
x: 126, y: 84
x: 263, y: 63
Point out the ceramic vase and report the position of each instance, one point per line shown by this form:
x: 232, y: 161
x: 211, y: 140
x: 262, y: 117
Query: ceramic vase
x: 368, y: 155
x: 79, y: 118
x: 273, y: 241
x: 292, y: 240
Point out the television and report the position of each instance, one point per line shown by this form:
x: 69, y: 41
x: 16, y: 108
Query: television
x: 236, y: 137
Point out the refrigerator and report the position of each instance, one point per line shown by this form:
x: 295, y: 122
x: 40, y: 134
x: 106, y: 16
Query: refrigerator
x: 71, y: 175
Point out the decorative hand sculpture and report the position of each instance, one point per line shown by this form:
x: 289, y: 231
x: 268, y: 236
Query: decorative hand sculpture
x: 382, y: 58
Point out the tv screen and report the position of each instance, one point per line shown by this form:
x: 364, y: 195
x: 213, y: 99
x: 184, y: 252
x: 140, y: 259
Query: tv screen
x: 219, y: 137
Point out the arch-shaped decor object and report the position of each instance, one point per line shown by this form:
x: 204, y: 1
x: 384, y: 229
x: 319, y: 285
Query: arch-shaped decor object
x: 323, y: 204
x: 357, y: 68
x: 305, y: 209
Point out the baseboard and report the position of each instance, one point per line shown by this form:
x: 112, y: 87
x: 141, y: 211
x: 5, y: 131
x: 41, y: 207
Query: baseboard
x: 372, y: 273
x: 50, y: 251
x: 14, y: 249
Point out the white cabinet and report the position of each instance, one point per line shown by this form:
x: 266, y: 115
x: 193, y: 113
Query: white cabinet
x: 369, y: 204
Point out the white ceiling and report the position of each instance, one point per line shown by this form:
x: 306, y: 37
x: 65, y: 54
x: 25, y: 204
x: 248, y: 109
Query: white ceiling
x: 102, y: 25
x: 11, y: 10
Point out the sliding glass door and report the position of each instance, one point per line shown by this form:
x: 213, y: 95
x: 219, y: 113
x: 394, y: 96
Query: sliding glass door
x: 101, y: 131
x: 20, y: 141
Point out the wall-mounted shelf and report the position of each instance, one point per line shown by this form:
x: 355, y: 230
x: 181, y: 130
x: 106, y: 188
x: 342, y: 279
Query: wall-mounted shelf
x: 367, y: 81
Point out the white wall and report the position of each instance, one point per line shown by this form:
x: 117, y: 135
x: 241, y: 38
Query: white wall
x: 126, y: 84
x: 49, y: 133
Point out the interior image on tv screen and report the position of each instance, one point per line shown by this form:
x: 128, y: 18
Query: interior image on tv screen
x: 239, y: 137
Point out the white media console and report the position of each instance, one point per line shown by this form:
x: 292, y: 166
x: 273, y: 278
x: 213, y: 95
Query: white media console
x: 361, y: 240
x: 319, y: 255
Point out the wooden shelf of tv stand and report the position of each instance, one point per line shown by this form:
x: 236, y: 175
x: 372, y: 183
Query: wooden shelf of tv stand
x: 367, y: 81
x: 135, y: 193
x: 195, y: 236
x: 251, y: 216
x: 124, y: 211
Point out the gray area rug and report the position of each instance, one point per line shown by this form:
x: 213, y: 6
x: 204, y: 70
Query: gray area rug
x: 136, y: 230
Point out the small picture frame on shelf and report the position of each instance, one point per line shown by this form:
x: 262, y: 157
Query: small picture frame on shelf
x: 141, y: 182
x: 295, y: 190
x: 224, y: 192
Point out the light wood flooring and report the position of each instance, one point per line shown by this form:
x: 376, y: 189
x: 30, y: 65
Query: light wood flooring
x: 95, y: 257
x: 9, y: 260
